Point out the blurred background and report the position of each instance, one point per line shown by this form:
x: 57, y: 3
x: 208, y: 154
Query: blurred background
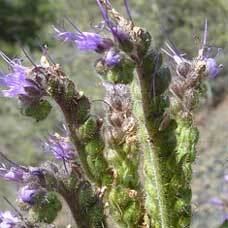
x: 29, y: 23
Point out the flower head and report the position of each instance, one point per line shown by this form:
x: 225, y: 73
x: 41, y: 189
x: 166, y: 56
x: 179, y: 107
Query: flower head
x: 85, y: 41
x: 118, y: 33
x: 61, y: 147
x: 18, y: 83
x: 16, y: 80
x: 213, y: 68
x: 12, y: 174
x: 112, y: 58
x: 28, y: 194
x: 183, y: 65
x: 8, y: 220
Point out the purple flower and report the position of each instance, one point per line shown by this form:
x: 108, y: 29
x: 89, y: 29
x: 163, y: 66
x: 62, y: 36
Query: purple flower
x: 118, y: 33
x: 8, y: 220
x: 28, y: 194
x: 16, y: 80
x: 13, y: 174
x: 112, y: 58
x: 126, y: 4
x: 61, y: 147
x: 212, y: 67
x: 85, y: 41
x: 18, y: 83
x: 204, y: 54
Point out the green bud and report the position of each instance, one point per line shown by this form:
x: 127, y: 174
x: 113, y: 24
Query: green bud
x: 97, y: 165
x: 37, y: 111
x: 82, y: 110
x: 151, y: 62
x: 50, y: 180
x: 53, y: 87
x: 180, y: 205
x: 85, y: 196
x: 95, y: 146
x: 126, y: 44
x: 72, y: 182
x: 162, y: 80
x: 132, y: 214
x: 184, y: 221
x: 143, y: 42
x: 96, y: 216
x: 46, y: 210
x: 129, y: 148
x: 122, y: 73
x: 88, y: 129
x: 69, y: 90
x: 119, y: 196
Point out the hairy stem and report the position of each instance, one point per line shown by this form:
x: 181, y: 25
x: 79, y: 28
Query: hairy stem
x: 156, y: 154
x: 66, y: 109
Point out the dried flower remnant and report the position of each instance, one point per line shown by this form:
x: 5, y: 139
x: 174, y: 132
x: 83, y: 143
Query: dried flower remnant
x: 61, y: 147
x: 85, y: 41
x: 182, y: 65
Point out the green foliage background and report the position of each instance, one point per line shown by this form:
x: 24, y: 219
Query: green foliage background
x: 28, y: 23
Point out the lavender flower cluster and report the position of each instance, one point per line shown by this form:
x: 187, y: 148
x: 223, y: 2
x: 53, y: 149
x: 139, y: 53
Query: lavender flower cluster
x: 81, y: 173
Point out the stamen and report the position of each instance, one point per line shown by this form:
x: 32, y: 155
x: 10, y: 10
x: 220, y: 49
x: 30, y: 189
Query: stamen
x: 5, y: 57
x: 170, y: 48
x: 166, y: 52
x: 204, y: 41
x: 10, y: 161
x: 28, y: 57
x: 128, y: 9
x: 73, y: 25
x: 104, y: 12
x: 17, y: 211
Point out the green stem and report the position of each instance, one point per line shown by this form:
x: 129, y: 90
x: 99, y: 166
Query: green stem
x: 157, y: 153
x: 155, y: 180
x: 66, y: 109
